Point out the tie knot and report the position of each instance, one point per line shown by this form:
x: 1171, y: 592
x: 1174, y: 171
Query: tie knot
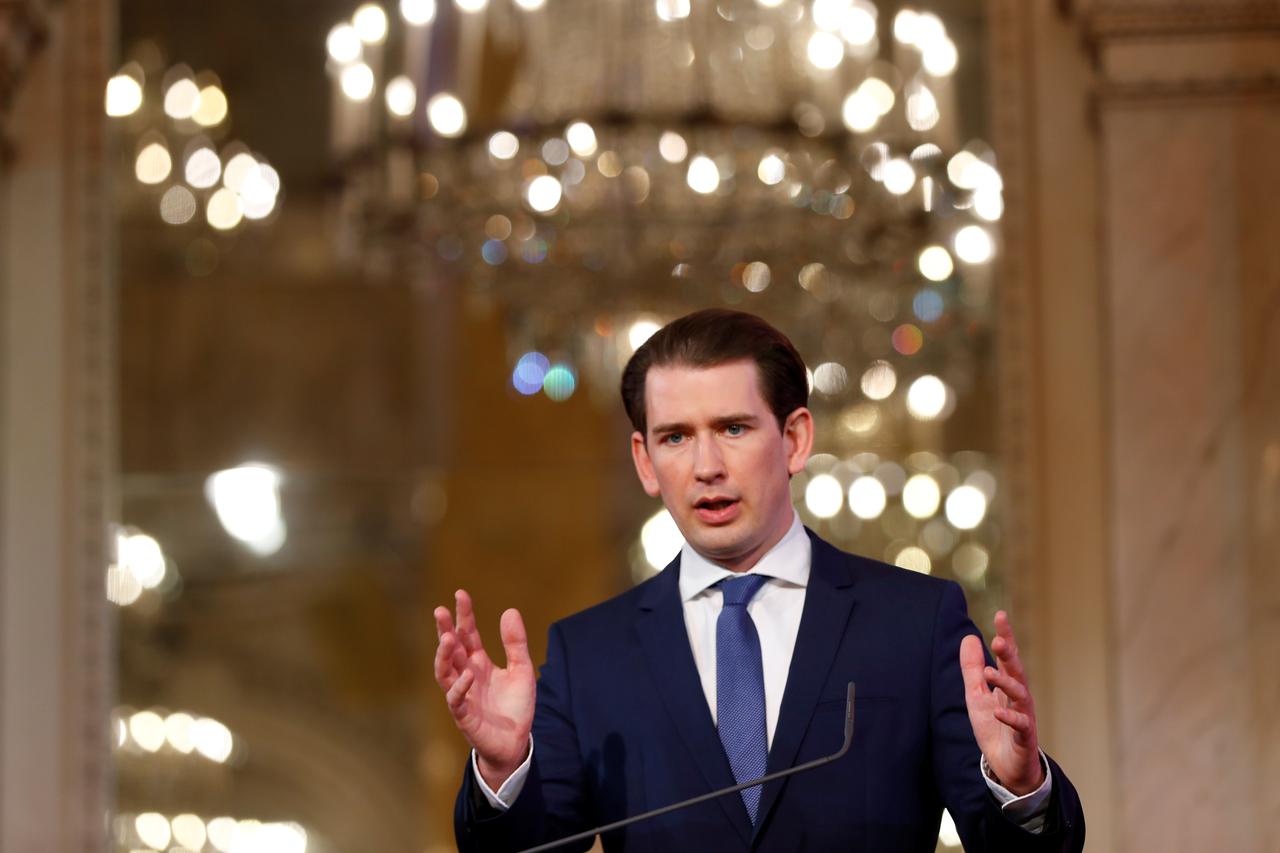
x: 741, y: 589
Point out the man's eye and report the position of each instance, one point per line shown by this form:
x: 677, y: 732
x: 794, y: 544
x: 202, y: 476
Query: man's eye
x: 673, y: 438
x: 735, y: 429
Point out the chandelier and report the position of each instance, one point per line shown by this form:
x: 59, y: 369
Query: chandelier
x: 596, y: 167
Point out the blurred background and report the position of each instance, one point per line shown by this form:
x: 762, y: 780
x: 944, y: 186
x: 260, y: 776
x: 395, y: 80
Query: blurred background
x: 312, y: 312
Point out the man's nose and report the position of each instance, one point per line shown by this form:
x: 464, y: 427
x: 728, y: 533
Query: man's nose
x: 708, y: 463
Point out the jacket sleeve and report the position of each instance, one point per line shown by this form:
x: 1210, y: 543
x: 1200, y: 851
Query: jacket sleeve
x: 978, y: 817
x: 553, y: 803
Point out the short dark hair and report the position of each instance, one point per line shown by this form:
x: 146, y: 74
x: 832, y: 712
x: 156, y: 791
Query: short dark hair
x: 716, y: 336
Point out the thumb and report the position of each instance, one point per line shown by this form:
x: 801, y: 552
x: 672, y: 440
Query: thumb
x: 972, y: 663
x: 515, y: 641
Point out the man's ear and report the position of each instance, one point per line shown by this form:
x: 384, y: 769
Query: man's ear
x: 644, y: 465
x: 797, y: 439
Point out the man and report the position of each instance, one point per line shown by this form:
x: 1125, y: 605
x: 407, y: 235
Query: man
x: 734, y: 660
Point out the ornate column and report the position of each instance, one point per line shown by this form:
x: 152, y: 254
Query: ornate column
x: 56, y: 444
x: 1141, y: 413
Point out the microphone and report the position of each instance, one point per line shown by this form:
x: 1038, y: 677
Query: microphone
x: 702, y: 798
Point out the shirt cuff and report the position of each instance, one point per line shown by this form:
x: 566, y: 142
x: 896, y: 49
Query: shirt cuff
x: 1029, y: 810
x: 505, y: 796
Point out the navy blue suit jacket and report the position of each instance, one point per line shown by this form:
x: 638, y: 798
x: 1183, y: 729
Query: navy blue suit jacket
x: 622, y: 726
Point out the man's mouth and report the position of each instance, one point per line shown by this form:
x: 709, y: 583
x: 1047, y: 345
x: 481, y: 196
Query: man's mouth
x: 717, y: 510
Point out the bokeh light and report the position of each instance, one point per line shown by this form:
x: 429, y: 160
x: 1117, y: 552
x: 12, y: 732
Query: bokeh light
x: 935, y: 263
x: 560, y: 383
x: 966, y: 507
x: 123, y: 96
x: 823, y: 496
x: 921, y: 496
x: 661, y: 539
x: 447, y: 115
x: 879, y: 380
x: 927, y: 397
x: 867, y: 497
x: 530, y: 370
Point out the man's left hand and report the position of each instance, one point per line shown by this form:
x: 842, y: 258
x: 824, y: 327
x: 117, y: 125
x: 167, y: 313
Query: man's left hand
x: 1001, y: 710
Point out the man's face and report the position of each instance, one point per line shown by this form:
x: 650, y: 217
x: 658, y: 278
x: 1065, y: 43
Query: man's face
x: 715, y: 454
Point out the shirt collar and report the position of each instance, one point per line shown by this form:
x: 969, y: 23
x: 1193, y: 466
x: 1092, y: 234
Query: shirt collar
x: 787, y: 561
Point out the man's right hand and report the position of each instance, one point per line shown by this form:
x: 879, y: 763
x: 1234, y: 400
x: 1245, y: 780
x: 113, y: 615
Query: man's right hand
x: 492, y: 707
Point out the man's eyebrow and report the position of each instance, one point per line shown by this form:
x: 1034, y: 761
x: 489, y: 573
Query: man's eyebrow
x: 722, y: 421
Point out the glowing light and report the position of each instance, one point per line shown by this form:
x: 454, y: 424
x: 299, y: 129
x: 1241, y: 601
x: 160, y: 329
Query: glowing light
x: 904, y: 26
x: 898, y: 176
x: 153, y: 164
x: 357, y: 81
x: 769, y: 4
x: 417, y: 13
x: 830, y: 378
x: 641, y: 331
x: 141, y: 556
x: 672, y: 147
x: 907, y: 339
x: 182, y: 99
x: 246, y: 500
x: 988, y: 203
x: 915, y: 559
x: 922, y: 109
x: 213, y: 107
x: 824, y: 496
x: 969, y: 172
x: 222, y: 833
x: 447, y: 115
x: 401, y: 96
x: 153, y: 829
x: 966, y: 507
x: 829, y: 14
x: 703, y: 175
x: 867, y: 497
x: 560, y: 383
x: 940, y: 57
x: 543, y: 193
x: 921, y: 496
x: 188, y: 830
x: 926, y: 397
x: 862, y: 419
x: 660, y: 539
x: 530, y: 370
x: 859, y: 112
x: 343, y: 44
x: 973, y: 244
x: 212, y: 739
x: 878, y: 92
x: 983, y: 481
x: 504, y: 145
x: 177, y: 731
x: 935, y: 263
x: 771, y: 170
x: 859, y: 27
x: 124, y: 95
x: 927, y: 305
x: 471, y: 6
x: 879, y: 380
x: 370, y: 23
x: 122, y: 587
x: 672, y: 10
x: 970, y: 562
x: 581, y: 138
x: 756, y: 276
x: 825, y: 51
x: 530, y: 5
x: 238, y: 169
x: 177, y: 205
x: 203, y: 168
x: 147, y: 729
x: 258, y: 193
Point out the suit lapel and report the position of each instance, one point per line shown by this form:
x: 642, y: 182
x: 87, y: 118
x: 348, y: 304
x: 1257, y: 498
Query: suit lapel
x: 828, y: 602
x: 662, y: 633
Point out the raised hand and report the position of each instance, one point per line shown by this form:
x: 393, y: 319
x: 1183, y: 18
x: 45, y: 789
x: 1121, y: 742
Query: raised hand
x: 1003, y: 718
x: 492, y: 706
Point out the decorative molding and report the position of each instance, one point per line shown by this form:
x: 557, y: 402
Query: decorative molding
x: 1130, y: 20
x: 1163, y: 93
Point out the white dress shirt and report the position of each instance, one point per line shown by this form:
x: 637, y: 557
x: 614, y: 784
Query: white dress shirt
x: 776, y: 611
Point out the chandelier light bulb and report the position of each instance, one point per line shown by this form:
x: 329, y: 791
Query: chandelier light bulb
x: 203, y: 168
x: 543, y: 193
x: 581, y: 138
x: 973, y: 244
x: 921, y: 496
x: 859, y: 27
x: 531, y: 5
x: 935, y: 263
x: 966, y: 507
x: 823, y: 496
x: 829, y: 15
x: 124, y: 96
x: 860, y: 112
x: 182, y: 99
x: 370, y: 23
x: 672, y: 10
x: 867, y: 497
x: 418, y: 13
x: 343, y: 44
x: 357, y: 81
x: 471, y: 6
x: 153, y: 164
x: 703, y: 176
x: 941, y: 57
x: 504, y: 145
x: 772, y: 169
x: 898, y: 176
x: 825, y: 50
x: 926, y: 398
x: 402, y: 96
x: 447, y: 115
x: 672, y: 147
x: 905, y: 26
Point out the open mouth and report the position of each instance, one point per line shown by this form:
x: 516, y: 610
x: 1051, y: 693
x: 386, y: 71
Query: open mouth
x: 717, y: 510
x: 715, y: 505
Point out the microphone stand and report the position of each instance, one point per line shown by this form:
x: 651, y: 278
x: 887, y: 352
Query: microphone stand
x: 702, y: 798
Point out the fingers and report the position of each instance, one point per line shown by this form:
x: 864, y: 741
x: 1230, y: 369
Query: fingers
x: 1005, y: 647
x: 972, y: 664
x: 450, y: 662
x: 515, y: 640
x: 1010, y: 686
x: 456, y: 696
x: 1022, y: 724
x: 444, y: 621
x: 468, y: 634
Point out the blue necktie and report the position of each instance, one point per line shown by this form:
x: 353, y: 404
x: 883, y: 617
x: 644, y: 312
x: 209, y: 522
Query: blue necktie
x: 740, y: 687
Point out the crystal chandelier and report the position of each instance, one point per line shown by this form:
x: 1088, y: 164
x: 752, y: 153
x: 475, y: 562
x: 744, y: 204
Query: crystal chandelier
x: 596, y: 167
